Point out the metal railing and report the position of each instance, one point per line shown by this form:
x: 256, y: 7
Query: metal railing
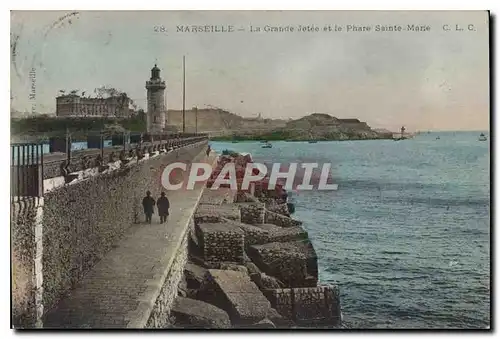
x: 28, y: 159
x: 26, y: 174
x: 99, y: 140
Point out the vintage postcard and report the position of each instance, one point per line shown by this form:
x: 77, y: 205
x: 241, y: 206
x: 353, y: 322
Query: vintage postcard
x: 250, y: 169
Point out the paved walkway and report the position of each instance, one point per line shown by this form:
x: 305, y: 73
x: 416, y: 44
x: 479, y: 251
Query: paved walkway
x: 122, y: 287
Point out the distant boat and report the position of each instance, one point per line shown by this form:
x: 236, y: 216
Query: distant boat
x: 267, y: 145
x: 437, y: 138
x: 482, y: 137
x: 313, y: 141
x: 235, y: 141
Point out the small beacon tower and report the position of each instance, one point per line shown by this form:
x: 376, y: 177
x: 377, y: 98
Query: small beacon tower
x: 156, y: 115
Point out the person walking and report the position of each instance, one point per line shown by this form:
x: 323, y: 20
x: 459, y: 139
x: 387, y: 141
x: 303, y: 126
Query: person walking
x: 163, y: 206
x: 148, y: 203
x: 208, y: 150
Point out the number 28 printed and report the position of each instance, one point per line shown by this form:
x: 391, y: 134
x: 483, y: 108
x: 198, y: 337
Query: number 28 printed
x: 160, y: 29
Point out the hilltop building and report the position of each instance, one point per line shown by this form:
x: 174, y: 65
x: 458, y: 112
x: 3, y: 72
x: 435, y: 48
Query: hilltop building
x: 120, y: 106
x: 74, y: 105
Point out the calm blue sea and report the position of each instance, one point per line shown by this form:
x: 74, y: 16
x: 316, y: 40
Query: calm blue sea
x: 407, y: 234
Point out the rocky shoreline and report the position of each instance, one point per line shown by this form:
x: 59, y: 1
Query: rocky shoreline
x: 251, y: 265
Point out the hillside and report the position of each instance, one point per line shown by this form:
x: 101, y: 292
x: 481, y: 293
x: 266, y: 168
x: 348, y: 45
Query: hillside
x: 316, y: 126
x: 219, y: 119
x: 314, y: 120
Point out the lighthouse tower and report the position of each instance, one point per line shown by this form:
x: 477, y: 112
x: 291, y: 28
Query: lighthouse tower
x: 156, y: 115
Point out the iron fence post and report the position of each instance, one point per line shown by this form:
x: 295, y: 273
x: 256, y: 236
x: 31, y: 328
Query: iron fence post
x: 101, y: 144
x: 68, y: 147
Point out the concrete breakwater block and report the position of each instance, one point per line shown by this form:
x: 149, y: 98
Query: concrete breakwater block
x: 273, y: 320
x: 252, y: 212
x: 252, y: 268
x: 242, y: 196
x: 227, y: 265
x: 266, y: 282
x: 194, y: 248
x: 294, y: 263
x: 265, y: 233
x: 253, y: 235
x: 262, y: 190
x: 235, y: 293
x: 265, y: 323
x: 311, y: 306
x: 280, y: 220
x: 280, y: 208
x: 194, y: 275
x: 283, y: 234
x: 184, y: 291
x: 221, y: 242
x: 218, y: 197
x: 214, y: 213
x: 233, y: 267
x: 191, y: 313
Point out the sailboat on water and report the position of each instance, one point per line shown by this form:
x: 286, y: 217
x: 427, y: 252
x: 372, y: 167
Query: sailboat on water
x: 482, y: 137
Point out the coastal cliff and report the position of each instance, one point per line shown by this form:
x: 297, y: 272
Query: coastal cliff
x: 317, y: 126
x: 251, y: 265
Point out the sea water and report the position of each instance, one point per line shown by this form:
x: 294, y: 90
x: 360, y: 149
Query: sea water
x: 407, y: 234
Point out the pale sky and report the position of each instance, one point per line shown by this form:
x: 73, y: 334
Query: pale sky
x: 437, y: 80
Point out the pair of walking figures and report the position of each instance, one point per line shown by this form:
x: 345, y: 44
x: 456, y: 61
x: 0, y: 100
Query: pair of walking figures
x: 148, y: 203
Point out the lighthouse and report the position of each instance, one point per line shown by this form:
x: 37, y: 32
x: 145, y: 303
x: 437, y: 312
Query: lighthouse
x: 156, y: 115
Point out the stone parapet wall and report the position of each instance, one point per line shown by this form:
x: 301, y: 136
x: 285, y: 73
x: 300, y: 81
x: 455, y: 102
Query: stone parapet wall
x: 160, y: 315
x: 85, y: 218
x: 26, y: 254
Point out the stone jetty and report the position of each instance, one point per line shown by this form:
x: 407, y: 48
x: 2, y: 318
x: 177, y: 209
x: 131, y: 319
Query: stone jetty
x: 250, y: 264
